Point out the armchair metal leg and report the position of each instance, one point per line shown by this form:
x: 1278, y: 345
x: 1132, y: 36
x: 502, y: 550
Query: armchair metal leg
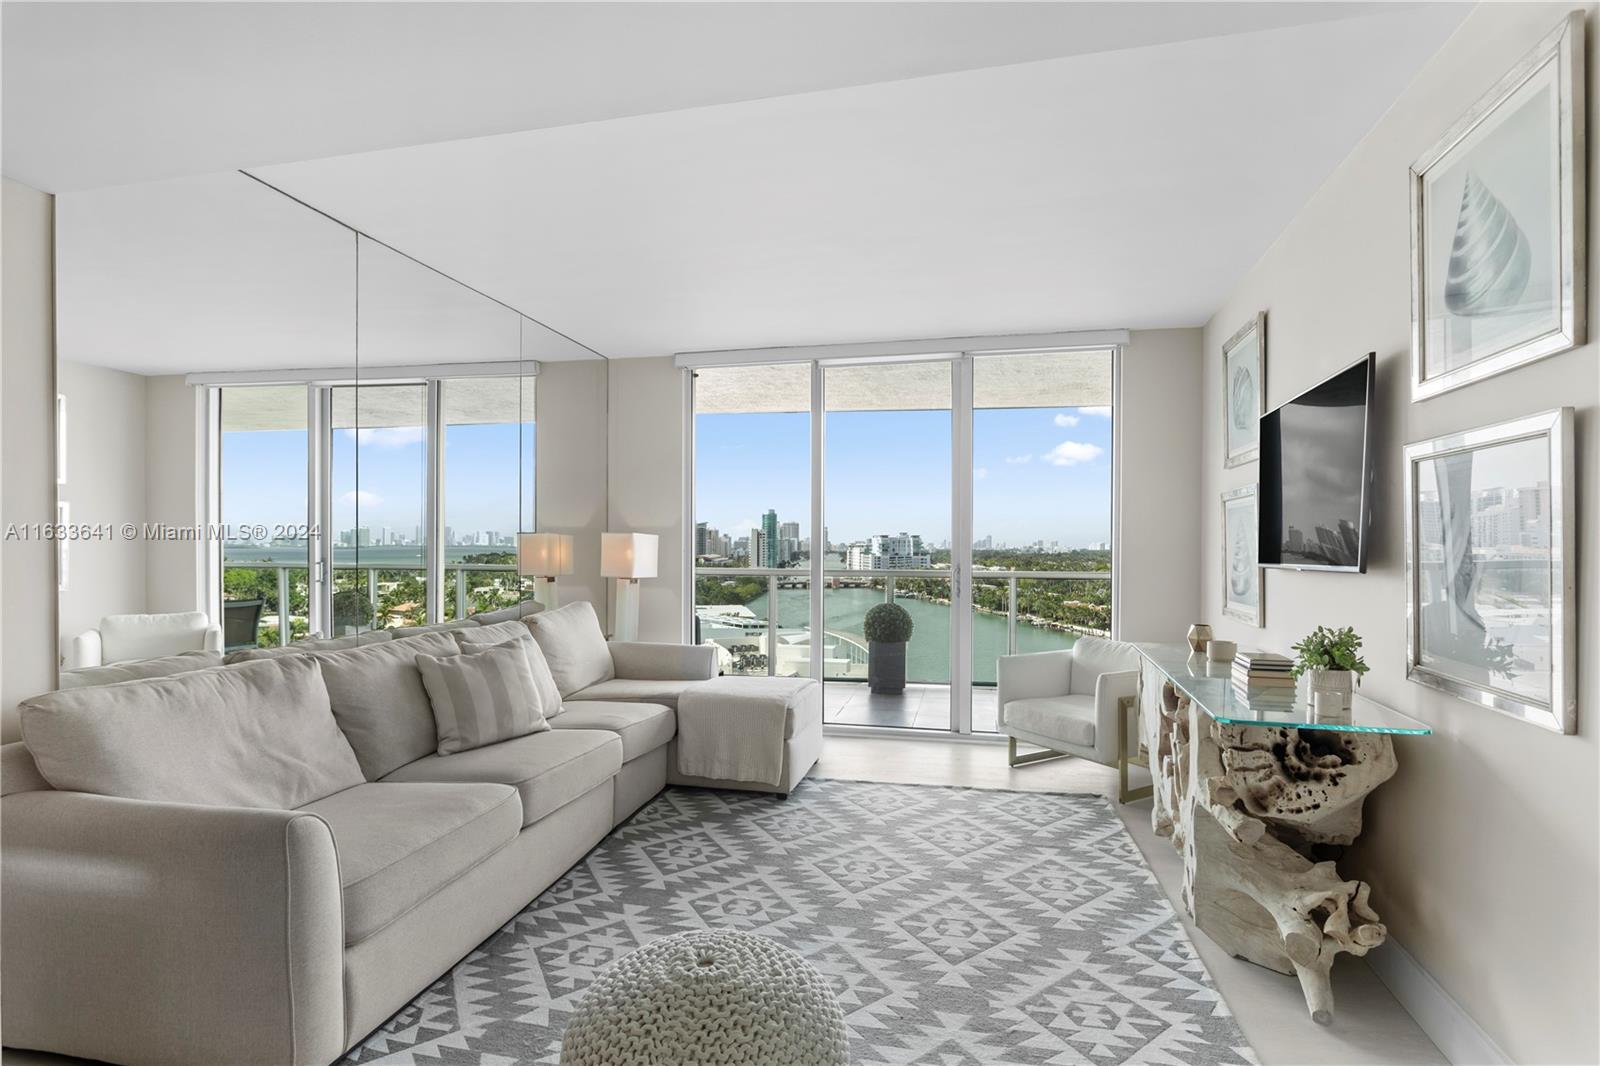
x: 1033, y: 756
x: 1126, y: 706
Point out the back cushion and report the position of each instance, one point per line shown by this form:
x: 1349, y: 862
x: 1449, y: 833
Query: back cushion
x: 355, y: 640
x: 147, y: 636
x: 85, y: 676
x: 1093, y: 656
x: 574, y: 646
x: 257, y: 735
x: 508, y: 614
x: 379, y: 701
x: 500, y: 633
x: 405, y: 632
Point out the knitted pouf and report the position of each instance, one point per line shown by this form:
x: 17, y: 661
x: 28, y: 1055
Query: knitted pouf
x: 708, y: 998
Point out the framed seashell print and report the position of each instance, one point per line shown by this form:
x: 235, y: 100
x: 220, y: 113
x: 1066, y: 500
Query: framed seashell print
x: 1241, y: 569
x: 1498, y: 225
x: 1244, y: 391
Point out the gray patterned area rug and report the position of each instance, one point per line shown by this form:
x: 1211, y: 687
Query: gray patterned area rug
x: 956, y: 926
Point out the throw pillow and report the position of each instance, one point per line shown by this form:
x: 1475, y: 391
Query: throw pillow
x: 517, y: 633
x: 482, y: 696
x: 574, y: 646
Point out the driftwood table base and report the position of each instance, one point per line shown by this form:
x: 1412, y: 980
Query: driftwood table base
x: 1256, y: 813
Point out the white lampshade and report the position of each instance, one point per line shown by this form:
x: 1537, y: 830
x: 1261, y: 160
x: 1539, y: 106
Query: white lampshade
x: 544, y: 554
x: 630, y: 555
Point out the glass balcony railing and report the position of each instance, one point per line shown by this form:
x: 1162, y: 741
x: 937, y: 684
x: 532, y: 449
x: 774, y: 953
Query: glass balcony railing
x: 1014, y: 612
x: 363, y: 597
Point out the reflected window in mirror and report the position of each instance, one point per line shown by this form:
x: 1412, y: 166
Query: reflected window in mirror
x: 488, y: 426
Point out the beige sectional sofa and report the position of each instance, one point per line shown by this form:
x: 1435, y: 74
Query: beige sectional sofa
x: 261, y: 861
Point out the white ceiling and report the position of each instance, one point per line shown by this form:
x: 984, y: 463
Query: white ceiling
x: 1118, y: 189
x: 688, y: 177
x: 111, y: 93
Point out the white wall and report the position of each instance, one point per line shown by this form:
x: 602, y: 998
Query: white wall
x: 27, y: 420
x: 570, y: 469
x: 1482, y: 851
x: 174, y: 571
x: 105, y: 488
x: 1158, y: 467
x: 646, y: 482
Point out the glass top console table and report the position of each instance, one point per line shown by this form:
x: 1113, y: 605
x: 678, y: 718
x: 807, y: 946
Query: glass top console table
x: 1260, y: 795
x: 1210, y: 686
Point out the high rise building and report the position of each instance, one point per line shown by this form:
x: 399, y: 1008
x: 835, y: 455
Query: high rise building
x: 755, y: 550
x: 789, y: 531
x: 769, y: 539
x: 701, y: 539
x: 884, y: 551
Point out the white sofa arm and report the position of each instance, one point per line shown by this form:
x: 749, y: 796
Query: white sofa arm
x: 213, y: 639
x: 161, y: 932
x: 86, y: 650
x: 1108, y: 690
x: 663, y: 662
x: 1031, y: 676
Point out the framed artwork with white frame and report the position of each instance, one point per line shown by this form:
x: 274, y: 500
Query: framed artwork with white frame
x: 1244, y: 391
x: 1241, y: 571
x: 1498, y: 211
x: 1491, y: 613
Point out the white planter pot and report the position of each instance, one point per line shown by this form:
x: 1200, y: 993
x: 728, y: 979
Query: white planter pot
x: 1340, y: 683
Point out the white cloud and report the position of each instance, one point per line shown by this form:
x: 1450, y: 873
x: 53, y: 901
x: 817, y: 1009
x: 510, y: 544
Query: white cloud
x: 388, y: 436
x: 361, y: 498
x: 1071, y: 453
x: 1098, y: 412
x: 1066, y: 421
x: 979, y: 473
x: 1016, y: 460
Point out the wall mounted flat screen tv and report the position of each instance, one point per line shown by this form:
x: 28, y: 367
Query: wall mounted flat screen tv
x: 1316, y: 475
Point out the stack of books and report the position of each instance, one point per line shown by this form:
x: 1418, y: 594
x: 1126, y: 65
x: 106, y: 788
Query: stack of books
x: 1258, y: 674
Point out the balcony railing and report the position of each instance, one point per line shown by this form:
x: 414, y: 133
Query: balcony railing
x: 371, y: 581
x: 1018, y: 595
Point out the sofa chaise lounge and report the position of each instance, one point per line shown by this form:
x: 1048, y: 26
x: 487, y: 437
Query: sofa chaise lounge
x: 261, y: 861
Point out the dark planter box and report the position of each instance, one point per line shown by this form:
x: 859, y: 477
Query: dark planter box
x: 886, y: 668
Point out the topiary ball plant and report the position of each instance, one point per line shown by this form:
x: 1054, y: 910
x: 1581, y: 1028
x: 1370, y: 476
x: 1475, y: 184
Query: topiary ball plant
x: 887, y: 623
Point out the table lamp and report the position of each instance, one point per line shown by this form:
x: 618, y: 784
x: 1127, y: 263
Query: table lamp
x: 628, y: 557
x: 544, y: 557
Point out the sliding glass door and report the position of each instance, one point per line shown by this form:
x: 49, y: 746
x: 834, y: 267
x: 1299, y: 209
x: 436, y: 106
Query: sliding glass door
x: 973, y: 490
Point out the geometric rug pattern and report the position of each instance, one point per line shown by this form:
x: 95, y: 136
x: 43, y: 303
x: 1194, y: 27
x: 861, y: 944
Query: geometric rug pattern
x: 956, y: 926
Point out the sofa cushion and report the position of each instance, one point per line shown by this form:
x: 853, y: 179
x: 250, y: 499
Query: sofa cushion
x: 643, y: 727
x: 257, y: 735
x: 399, y: 844
x: 499, y: 633
x: 548, y: 770
x: 379, y: 701
x: 407, y: 632
x: 149, y: 636
x: 481, y: 695
x: 574, y: 646
x: 167, y: 665
x: 1066, y: 718
x: 354, y: 640
x: 515, y: 613
x: 630, y: 690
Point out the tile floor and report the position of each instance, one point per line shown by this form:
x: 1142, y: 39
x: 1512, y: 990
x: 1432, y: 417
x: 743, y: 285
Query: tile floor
x: 919, y: 707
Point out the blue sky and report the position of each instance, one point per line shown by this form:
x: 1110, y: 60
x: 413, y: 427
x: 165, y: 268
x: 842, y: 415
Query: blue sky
x: 1039, y: 473
x: 263, y: 478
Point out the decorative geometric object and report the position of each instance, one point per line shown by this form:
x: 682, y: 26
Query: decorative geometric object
x: 953, y: 925
x: 713, y: 998
x: 1491, y: 576
x: 1244, y: 391
x: 1498, y: 231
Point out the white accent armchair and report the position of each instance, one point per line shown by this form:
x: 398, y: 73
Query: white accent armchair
x: 1082, y: 701
x: 129, y: 637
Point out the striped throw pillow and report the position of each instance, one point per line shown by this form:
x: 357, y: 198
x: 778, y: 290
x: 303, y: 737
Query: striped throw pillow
x: 482, y: 696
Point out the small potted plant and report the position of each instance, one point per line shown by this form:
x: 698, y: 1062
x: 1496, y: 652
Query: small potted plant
x: 1333, y: 659
x: 887, y: 627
